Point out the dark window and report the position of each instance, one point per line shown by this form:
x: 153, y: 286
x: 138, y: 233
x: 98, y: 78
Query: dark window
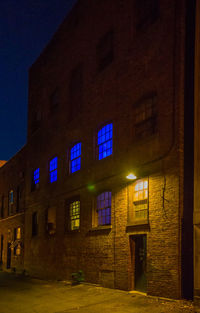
x: 36, y: 119
x: 2, y: 206
x: 105, y: 141
x: 54, y: 100
x: 75, y: 158
x: 51, y: 221
x: 10, y: 202
x: 75, y: 91
x: 105, y: 51
x: 146, y: 11
x: 35, y: 179
x: 145, y: 117
x: 104, y: 208
x: 34, y: 224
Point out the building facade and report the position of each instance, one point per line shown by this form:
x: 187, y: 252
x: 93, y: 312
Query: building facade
x: 100, y: 185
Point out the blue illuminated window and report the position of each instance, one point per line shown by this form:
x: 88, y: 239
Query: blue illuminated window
x: 75, y: 158
x: 53, y: 164
x: 104, y: 141
x: 104, y: 208
x: 36, y: 176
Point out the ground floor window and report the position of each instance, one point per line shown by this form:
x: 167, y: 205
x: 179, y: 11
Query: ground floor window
x: 104, y: 208
x: 74, y: 209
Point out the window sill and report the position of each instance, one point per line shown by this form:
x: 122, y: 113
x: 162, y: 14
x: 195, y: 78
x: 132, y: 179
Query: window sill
x: 142, y: 224
x: 101, y: 228
x: 72, y: 231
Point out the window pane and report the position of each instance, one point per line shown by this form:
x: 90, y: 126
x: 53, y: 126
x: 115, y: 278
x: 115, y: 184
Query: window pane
x: 104, y: 141
x: 75, y: 158
x: 104, y: 208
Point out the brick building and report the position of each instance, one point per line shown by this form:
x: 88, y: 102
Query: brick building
x: 101, y: 184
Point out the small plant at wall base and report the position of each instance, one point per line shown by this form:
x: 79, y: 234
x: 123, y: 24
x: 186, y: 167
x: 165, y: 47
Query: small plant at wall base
x: 77, y: 278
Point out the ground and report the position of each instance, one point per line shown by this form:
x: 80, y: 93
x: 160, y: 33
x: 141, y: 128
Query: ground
x: 25, y: 295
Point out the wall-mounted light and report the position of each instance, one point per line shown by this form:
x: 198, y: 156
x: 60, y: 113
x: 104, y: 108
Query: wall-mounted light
x: 131, y: 176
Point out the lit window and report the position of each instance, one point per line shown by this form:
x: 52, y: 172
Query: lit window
x: 75, y: 158
x: 104, y: 208
x: 53, y: 164
x: 17, y: 233
x: 36, y: 176
x: 140, y: 199
x: 75, y: 215
x: 17, y: 250
x: 104, y: 141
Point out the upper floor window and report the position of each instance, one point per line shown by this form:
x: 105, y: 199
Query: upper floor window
x: 10, y: 202
x: 147, y: 12
x: 105, y: 51
x: 75, y: 91
x: 53, y: 165
x: 54, y: 100
x: 2, y: 207
x: 105, y: 141
x: 35, y: 178
x: 36, y: 119
x: 34, y: 224
x: 75, y: 158
x: 104, y: 208
x: 74, y: 214
x: 145, y: 117
x: 17, y: 233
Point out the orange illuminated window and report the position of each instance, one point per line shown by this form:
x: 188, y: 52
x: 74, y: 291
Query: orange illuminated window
x: 140, y: 199
x: 17, y: 233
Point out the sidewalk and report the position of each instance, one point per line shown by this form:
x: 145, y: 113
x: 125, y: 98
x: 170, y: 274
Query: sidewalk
x: 25, y: 295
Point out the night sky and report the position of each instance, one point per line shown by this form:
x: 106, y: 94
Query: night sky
x: 26, y: 26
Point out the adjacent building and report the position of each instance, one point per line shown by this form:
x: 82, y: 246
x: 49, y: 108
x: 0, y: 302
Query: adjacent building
x: 103, y: 183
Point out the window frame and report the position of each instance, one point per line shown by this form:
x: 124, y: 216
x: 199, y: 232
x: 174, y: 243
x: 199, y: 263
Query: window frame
x: 134, y: 205
x: 34, y: 184
x: 104, y: 142
x: 10, y: 202
x: 76, y: 158
x: 105, y: 58
x: 68, y: 226
x: 148, y: 126
x: 53, y: 230
x: 54, y: 170
x: 97, y: 210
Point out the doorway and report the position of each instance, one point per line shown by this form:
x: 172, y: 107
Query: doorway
x: 9, y: 255
x: 138, y: 255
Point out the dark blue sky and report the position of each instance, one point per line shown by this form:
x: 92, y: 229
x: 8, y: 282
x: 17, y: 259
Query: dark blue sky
x: 26, y: 26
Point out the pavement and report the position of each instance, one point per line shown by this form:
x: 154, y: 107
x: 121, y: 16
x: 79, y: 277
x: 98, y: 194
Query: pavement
x: 19, y: 294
